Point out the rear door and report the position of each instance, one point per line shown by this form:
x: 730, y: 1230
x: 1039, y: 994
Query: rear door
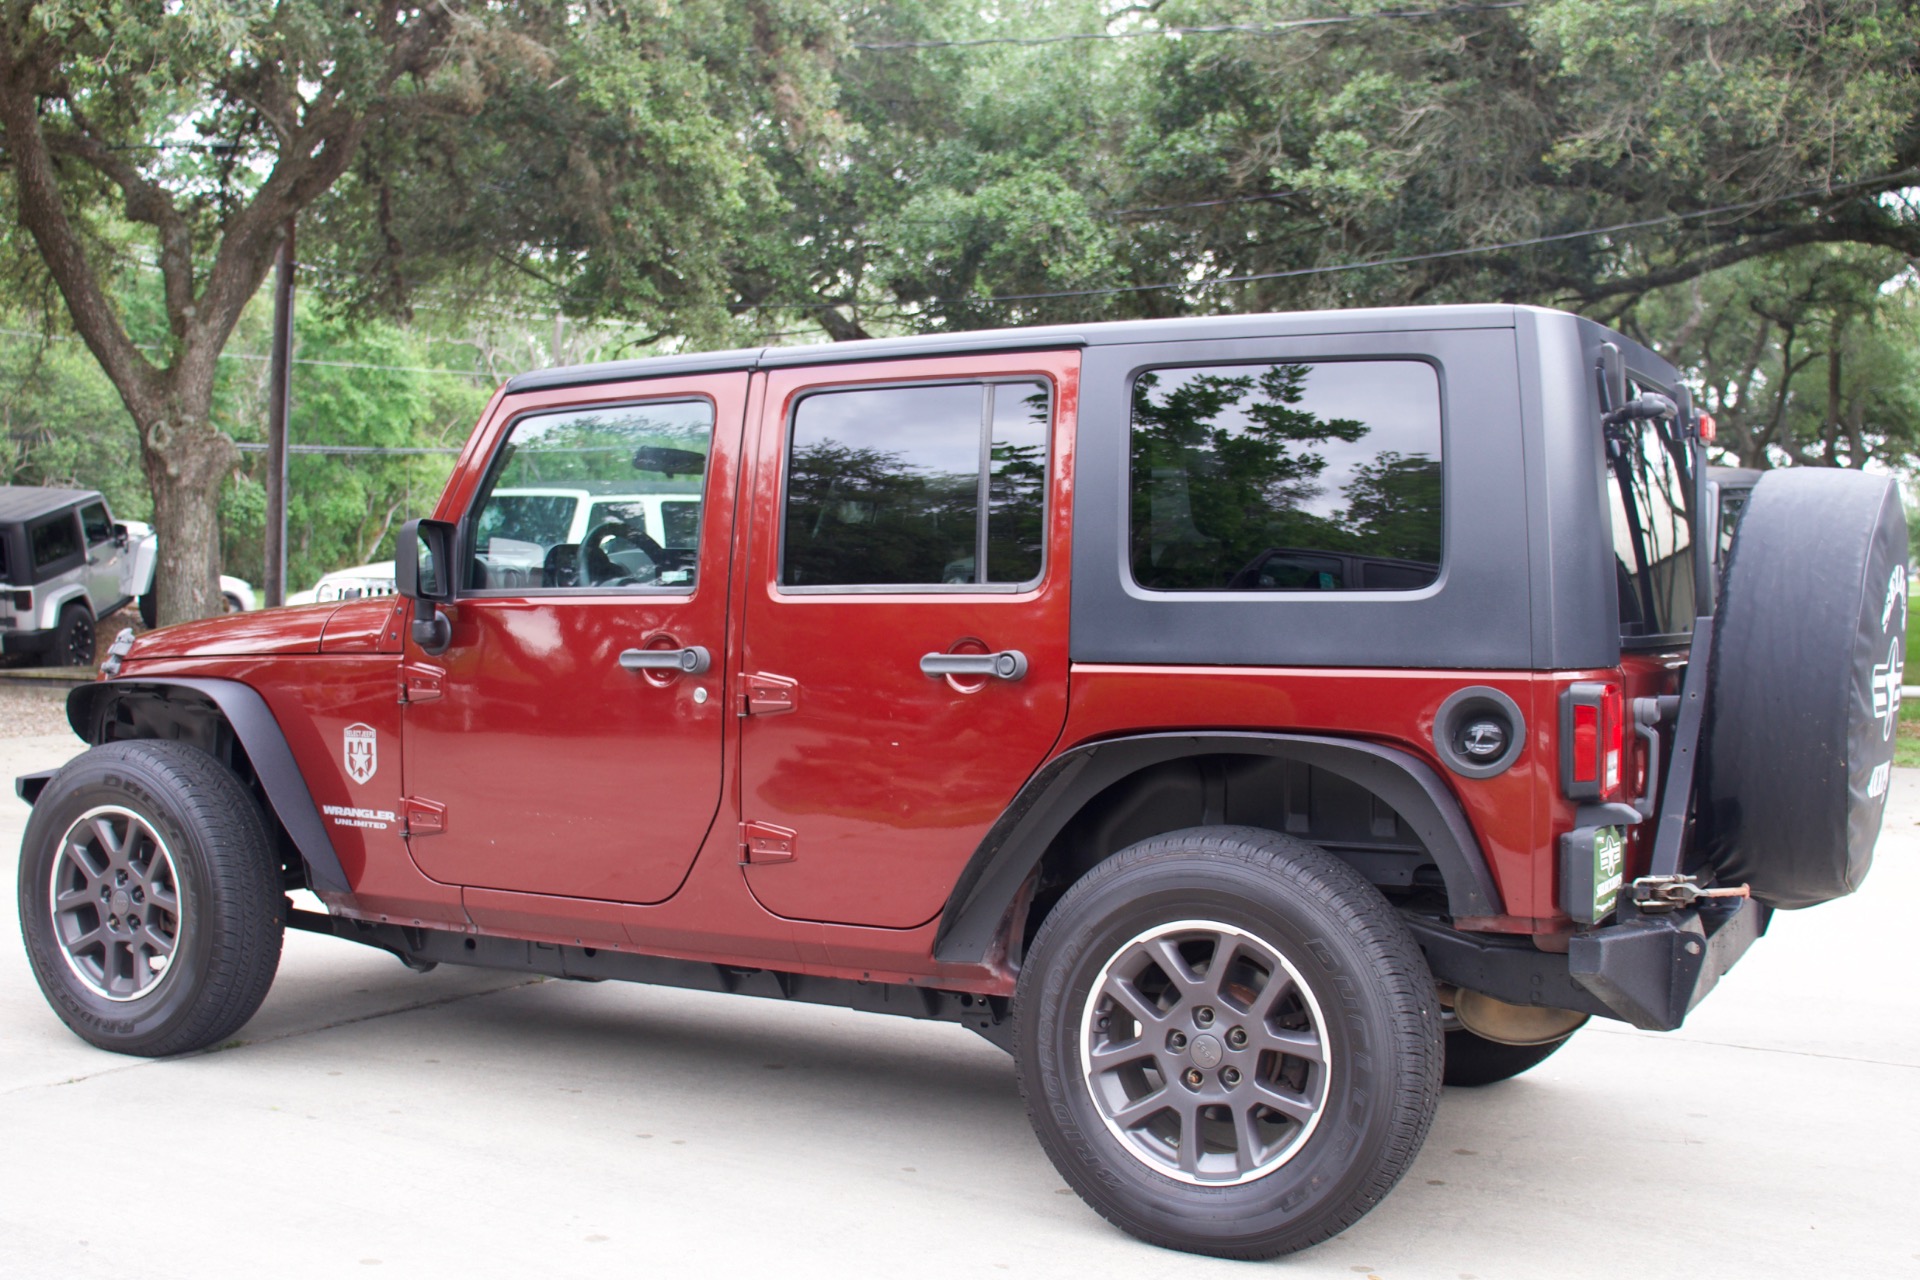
x: 904, y: 653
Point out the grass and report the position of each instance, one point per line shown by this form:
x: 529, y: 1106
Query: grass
x: 1906, y: 744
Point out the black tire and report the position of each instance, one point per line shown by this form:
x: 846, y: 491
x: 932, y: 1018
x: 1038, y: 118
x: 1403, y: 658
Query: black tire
x: 150, y: 609
x: 73, y: 641
x: 1808, y: 652
x: 1363, y: 998
x: 205, y: 847
x: 1473, y: 1060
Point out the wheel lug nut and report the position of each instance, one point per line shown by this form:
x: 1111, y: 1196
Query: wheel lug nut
x: 138, y: 896
x: 1203, y: 1016
x: 1177, y: 1041
x: 1231, y: 1076
x: 1237, y: 1038
x: 1194, y: 1077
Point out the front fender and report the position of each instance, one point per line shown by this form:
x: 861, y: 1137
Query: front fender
x: 259, y: 735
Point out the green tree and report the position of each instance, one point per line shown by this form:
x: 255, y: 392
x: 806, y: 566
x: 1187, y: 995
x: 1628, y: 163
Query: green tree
x: 568, y: 141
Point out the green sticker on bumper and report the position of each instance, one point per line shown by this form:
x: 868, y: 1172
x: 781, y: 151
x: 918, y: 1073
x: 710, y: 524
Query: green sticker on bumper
x: 1609, y: 863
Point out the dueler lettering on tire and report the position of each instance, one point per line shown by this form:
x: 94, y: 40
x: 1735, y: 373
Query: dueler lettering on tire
x: 1228, y: 1042
x: 149, y: 898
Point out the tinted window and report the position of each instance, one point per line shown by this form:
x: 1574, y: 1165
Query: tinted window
x: 94, y: 522
x: 567, y: 502
x: 55, y: 541
x: 1652, y: 528
x: 902, y: 486
x: 1287, y: 477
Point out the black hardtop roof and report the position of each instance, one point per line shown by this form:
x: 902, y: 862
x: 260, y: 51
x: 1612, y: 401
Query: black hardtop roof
x: 1106, y: 333
x: 22, y: 502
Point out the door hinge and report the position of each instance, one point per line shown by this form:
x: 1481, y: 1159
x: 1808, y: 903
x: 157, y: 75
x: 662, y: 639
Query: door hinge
x: 762, y: 842
x: 419, y: 683
x: 769, y: 695
x: 422, y: 817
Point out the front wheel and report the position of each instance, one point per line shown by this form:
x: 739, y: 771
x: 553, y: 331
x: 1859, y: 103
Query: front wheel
x: 1228, y: 1042
x: 149, y: 899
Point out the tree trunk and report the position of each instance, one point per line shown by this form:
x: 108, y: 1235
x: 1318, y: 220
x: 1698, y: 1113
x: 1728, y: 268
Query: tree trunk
x: 185, y: 460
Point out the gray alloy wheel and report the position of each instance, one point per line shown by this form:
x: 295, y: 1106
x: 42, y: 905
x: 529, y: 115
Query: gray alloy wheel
x: 1228, y: 1041
x: 1205, y: 1053
x: 117, y: 910
x: 150, y: 898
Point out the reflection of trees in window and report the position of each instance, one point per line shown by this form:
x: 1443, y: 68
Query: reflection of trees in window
x: 1017, y: 484
x: 857, y: 514
x: 1229, y: 466
x: 600, y: 446
x: 863, y: 515
x: 1393, y: 507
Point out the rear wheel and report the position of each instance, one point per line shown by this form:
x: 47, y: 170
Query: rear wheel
x: 73, y: 642
x: 1474, y: 1060
x: 1228, y: 1042
x: 149, y: 899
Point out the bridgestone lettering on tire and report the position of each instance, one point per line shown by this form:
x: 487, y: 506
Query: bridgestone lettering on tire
x: 149, y: 899
x: 1808, y: 656
x: 1228, y: 1042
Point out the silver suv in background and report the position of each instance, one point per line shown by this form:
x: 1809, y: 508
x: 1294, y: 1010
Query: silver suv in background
x: 63, y: 564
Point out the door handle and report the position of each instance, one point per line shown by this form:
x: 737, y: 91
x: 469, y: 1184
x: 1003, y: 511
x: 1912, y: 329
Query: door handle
x: 693, y: 660
x: 1008, y: 664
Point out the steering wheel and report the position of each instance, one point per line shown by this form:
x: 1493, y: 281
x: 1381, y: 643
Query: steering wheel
x: 599, y: 569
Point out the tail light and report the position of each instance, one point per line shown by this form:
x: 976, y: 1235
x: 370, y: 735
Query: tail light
x: 1593, y: 733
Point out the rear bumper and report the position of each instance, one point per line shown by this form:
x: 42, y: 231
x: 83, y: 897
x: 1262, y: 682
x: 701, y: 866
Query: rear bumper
x: 1648, y: 970
x: 27, y: 641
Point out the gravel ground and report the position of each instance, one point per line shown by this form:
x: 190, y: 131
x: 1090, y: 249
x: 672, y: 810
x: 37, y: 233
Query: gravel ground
x: 27, y: 712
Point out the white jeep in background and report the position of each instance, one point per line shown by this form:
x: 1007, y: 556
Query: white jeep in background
x: 65, y: 563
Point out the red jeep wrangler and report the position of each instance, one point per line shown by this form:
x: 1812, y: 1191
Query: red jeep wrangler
x: 1247, y: 722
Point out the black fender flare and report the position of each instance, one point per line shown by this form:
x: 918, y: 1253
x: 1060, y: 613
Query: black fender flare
x: 978, y: 907
x: 266, y: 747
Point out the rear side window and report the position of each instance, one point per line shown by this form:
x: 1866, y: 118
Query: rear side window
x: 56, y: 540
x: 1319, y: 476
x: 1651, y: 494
x: 940, y: 485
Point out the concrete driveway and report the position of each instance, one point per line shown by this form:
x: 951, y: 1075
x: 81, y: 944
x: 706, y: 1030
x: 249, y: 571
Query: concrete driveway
x: 465, y: 1124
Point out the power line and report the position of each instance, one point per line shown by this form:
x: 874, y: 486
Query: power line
x: 1223, y: 29
x: 247, y: 355
x: 348, y: 450
x: 1396, y: 261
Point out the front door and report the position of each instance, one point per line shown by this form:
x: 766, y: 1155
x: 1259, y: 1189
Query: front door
x: 905, y: 637
x: 104, y: 557
x: 569, y: 740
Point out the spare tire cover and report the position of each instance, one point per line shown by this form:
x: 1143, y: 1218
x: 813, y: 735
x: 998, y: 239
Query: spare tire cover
x: 1804, y: 691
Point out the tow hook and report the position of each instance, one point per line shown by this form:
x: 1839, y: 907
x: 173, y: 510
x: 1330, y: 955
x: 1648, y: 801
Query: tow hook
x: 1675, y: 893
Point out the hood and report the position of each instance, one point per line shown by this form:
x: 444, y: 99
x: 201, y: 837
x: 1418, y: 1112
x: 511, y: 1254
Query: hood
x: 294, y: 630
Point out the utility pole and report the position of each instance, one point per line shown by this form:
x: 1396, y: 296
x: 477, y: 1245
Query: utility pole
x: 279, y: 404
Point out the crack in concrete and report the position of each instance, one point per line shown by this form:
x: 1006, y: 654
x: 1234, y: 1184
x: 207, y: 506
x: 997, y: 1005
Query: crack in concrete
x: 271, y: 1039
x: 1756, y: 1048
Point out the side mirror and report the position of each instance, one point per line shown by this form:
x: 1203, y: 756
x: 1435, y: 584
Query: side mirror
x: 427, y: 582
x: 119, y: 535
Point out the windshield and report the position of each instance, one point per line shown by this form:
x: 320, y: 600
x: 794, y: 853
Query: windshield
x: 1651, y: 494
